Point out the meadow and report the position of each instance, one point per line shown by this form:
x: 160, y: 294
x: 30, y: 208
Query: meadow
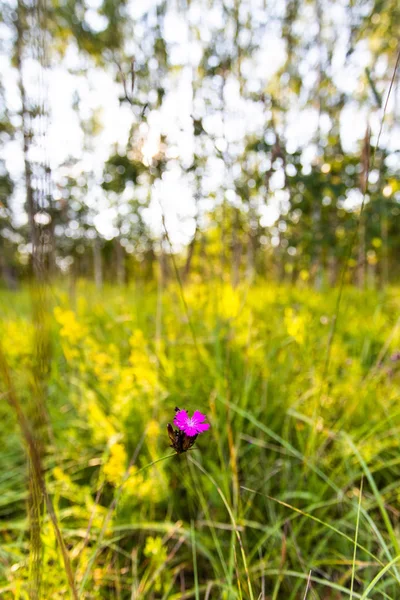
x: 292, y: 493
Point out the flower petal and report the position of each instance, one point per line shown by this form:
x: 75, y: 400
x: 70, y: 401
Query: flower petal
x: 181, y: 419
x: 191, y: 430
x: 198, y: 417
x: 202, y: 427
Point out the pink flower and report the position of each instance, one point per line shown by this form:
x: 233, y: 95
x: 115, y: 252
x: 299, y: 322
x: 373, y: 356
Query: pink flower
x: 191, y: 425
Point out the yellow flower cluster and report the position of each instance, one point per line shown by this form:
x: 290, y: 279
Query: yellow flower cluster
x: 72, y: 333
x: 295, y: 326
x: 138, y: 485
x: 142, y: 485
x: 17, y: 340
x: 102, y: 360
x: 115, y: 467
x: 155, y: 549
x: 71, y: 329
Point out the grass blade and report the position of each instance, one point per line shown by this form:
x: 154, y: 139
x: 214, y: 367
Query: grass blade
x: 353, y: 568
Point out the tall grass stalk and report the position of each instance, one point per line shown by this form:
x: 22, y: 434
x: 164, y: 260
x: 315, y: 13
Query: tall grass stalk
x: 36, y: 471
x: 353, y: 567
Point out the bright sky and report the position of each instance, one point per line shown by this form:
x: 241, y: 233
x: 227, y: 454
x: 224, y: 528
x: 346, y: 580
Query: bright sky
x: 99, y: 92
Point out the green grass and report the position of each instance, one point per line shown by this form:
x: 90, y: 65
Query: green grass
x: 270, y: 503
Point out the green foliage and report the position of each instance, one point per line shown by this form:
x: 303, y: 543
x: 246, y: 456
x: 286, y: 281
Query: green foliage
x: 119, y: 170
x: 66, y: 20
x: 6, y: 186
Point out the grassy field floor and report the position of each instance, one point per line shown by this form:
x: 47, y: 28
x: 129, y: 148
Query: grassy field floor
x: 293, y: 492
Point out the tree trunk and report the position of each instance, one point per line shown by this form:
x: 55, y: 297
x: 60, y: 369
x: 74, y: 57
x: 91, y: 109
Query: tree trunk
x: 223, y: 240
x: 189, y: 257
x: 236, y: 250
x: 120, y: 260
x: 26, y: 130
x: 7, y: 271
x: 163, y: 263
x: 97, y: 264
x: 361, y: 254
x: 332, y: 269
x: 250, y: 268
x: 365, y: 162
x: 385, y: 248
x: 371, y: 275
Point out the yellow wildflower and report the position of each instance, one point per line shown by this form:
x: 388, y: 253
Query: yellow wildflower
x: 114, y: 468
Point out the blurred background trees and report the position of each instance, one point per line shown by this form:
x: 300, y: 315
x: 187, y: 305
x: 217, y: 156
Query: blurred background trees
x: 240, y: 135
